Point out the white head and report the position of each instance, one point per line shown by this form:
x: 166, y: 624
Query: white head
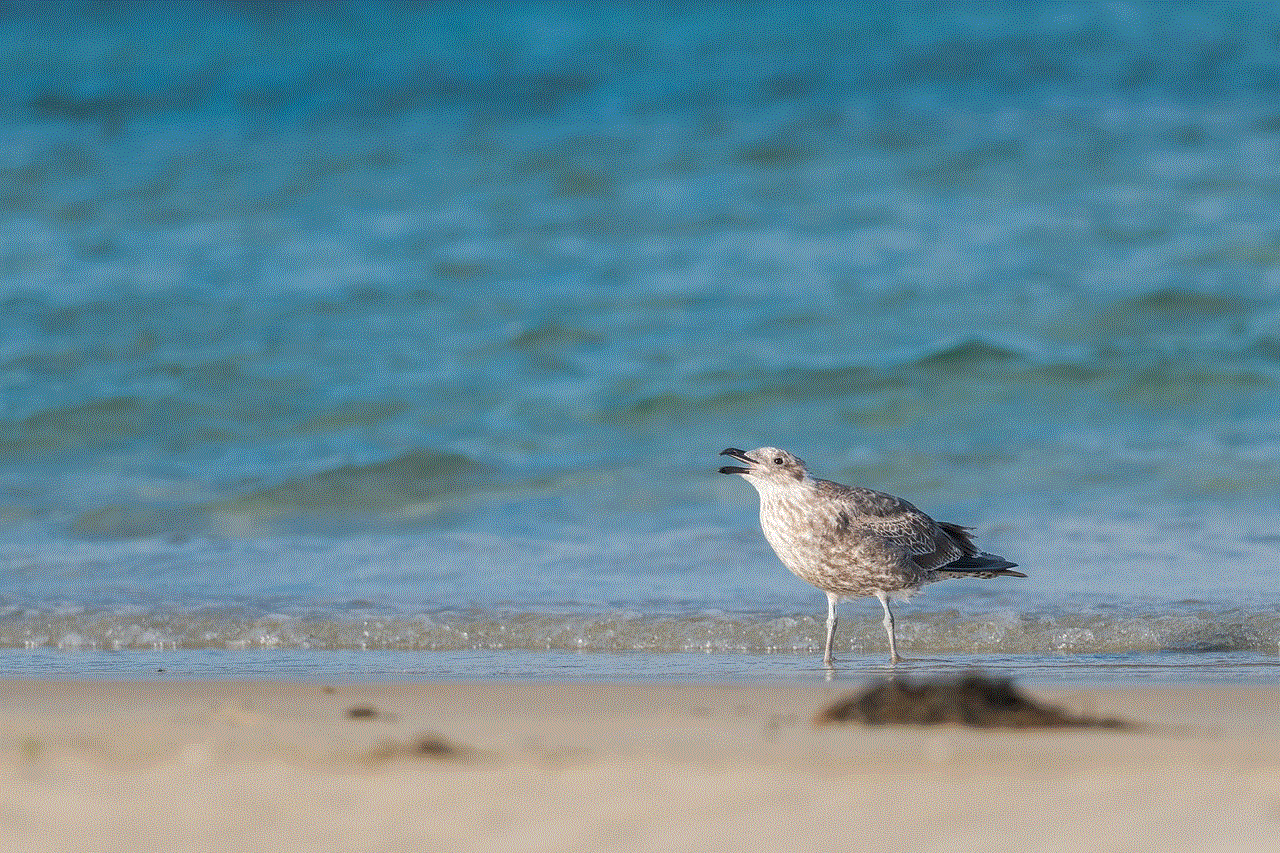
x: 766, y: 467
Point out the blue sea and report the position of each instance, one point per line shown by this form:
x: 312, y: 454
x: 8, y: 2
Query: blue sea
x: 385, y: 340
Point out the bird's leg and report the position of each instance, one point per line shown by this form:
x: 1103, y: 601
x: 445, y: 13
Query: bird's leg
x: 894, y: 657
x: 832, y: 620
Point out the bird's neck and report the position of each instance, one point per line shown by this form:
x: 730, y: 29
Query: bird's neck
x: 773, y: 491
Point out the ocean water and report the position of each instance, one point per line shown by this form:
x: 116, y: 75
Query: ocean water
x: 397, y: 340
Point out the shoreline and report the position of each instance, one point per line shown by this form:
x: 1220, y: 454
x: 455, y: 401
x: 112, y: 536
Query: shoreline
x: 239, y: 764
x: 514, y: 666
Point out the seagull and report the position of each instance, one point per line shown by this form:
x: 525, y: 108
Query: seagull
x: 851, y: 542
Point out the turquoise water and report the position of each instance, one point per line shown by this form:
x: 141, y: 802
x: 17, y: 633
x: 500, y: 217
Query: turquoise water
x: 416, y: 329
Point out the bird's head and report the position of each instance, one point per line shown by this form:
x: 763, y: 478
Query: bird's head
x: 766, y: 466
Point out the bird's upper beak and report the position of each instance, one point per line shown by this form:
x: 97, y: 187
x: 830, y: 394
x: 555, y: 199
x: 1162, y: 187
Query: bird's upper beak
x: 739, y: 455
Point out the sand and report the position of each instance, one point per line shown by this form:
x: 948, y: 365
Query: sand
x: 248, y: 766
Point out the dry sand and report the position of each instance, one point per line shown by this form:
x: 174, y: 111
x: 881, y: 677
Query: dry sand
x: 248, y: 766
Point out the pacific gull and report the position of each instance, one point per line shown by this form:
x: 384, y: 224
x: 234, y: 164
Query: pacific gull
x: 851, y: 542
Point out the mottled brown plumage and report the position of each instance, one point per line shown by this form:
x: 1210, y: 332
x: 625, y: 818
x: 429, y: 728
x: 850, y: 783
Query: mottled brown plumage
x: 850, y: 541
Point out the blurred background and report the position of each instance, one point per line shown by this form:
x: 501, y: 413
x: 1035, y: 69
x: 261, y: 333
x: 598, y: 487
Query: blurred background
x: 355, y: 312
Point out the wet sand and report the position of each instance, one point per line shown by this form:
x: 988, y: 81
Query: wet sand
x: 247, y: 766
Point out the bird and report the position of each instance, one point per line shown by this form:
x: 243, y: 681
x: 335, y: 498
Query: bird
x: 852, y: 542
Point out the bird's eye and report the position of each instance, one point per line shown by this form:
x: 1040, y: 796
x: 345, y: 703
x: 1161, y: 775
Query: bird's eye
x: 777, y: 460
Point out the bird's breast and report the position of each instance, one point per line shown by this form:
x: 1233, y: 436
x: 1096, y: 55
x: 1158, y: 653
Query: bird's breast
x: 796, y: 535
x: 814, y: 543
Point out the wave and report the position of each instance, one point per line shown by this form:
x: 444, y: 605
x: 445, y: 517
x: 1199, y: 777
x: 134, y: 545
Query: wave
x: 969, y: 352
x: 732, y: 391
x: 122, y: 104
x: 412, y: 479
x: 911, y: 378
x: 1185, y: 304
x: 926, y: 633
x: 407, y: 488
x: 105, y: 422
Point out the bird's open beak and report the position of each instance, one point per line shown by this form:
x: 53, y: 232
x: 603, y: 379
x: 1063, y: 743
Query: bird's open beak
x: 739, y: 455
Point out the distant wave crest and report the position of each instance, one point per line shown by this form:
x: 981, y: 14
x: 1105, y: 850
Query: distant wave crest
x: 411, y: 478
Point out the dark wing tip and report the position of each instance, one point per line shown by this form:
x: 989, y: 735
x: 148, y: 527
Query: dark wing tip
x: 982, y: 562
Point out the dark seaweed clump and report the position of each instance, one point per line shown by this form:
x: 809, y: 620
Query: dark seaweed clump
x: 428, y: 745
x: 973, y: 700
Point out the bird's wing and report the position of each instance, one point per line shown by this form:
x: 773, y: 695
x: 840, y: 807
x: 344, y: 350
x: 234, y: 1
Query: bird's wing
x: 950, y: 544
x: 899, y: 524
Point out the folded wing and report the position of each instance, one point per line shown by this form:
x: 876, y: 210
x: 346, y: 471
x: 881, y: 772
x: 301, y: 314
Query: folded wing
x: 932, y: 545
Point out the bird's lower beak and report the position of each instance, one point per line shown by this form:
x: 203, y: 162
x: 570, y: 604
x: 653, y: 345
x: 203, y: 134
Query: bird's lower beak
x: 739, y: 455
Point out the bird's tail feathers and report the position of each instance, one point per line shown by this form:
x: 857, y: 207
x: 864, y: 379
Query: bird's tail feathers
x: 981, y: 564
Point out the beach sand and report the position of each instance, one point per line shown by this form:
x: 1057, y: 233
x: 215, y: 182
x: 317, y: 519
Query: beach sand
x: 248, y: 766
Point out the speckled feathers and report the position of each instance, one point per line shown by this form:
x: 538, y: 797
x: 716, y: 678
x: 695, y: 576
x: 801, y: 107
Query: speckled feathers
x: 853, y: 541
